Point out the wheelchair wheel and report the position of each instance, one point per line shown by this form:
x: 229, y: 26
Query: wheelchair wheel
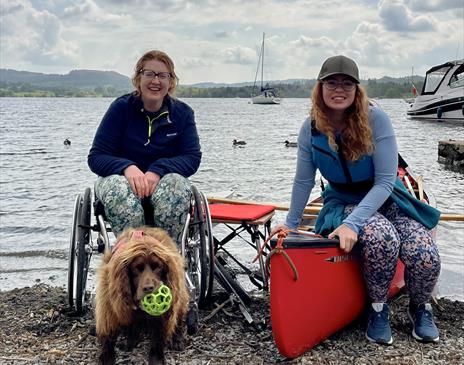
x: 72, y: 248
x: 201, y: 265
x: 80, y: 251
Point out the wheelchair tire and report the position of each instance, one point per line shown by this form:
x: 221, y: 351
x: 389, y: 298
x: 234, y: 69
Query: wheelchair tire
x: 83, y: 249
x: 79, y: 251
x: 203, y: 228
x: 229, y: 283
x: 209, y: 249
x: 72, y: 250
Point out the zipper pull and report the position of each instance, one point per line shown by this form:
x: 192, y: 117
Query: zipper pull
x: 147, y: 142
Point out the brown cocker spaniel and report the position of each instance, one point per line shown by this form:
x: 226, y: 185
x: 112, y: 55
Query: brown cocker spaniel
x: 140, y: 262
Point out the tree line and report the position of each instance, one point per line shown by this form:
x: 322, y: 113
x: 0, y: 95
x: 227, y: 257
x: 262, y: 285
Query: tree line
x: 374, y: 88
x: 301, y: 89
x: 29, y: 90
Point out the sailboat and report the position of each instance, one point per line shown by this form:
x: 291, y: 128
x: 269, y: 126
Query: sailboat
x: 411, y: 100
x: 267, y: 94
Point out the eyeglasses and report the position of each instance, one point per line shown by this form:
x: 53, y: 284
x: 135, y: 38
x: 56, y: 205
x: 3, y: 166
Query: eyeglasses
x: 346, y: 85
x: 152, y: 74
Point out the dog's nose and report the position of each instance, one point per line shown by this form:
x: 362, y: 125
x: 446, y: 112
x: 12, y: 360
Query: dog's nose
x: 148, y: 289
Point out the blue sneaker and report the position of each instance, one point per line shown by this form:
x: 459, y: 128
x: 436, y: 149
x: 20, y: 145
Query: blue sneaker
x: 378, y: 324
x: 424, y: 328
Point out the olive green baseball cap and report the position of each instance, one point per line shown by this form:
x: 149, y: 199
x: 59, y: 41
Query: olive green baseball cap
x: 339, y: 65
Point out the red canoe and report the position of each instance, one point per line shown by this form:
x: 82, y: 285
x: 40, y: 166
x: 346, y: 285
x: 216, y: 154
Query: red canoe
x: 328, y: 294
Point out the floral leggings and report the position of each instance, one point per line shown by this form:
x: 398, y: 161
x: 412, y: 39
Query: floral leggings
x: 390, y: 234
x: 123, y: 209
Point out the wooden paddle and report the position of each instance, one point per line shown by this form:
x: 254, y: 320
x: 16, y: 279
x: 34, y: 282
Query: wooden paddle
x: 310, y: 209
x: 420, y: 187
x: 408, y: 184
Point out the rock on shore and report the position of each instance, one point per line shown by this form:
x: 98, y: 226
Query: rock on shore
x: 36, y: 327
x: 451, y: 153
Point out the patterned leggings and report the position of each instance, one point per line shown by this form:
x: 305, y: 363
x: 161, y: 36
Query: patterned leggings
x: 123, y: 209
x: 390, y: 234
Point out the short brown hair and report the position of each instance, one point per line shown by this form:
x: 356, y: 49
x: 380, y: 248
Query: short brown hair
x: 158, y: 56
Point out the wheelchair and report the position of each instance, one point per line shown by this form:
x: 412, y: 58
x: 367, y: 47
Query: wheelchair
x: 88, y: 238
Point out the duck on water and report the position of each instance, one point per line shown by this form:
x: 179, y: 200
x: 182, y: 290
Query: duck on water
x: 290, y: 144
x: 238, y: 143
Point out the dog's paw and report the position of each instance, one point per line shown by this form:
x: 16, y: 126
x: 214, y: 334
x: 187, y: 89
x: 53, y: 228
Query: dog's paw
x: 192, y: 321
x: 127, y: 346
x: 177, y: 344
x: 155, y: 360
x: 93, y: 330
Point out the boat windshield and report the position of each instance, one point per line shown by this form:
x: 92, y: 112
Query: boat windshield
x: 457, y: 79
x: 434, y: 78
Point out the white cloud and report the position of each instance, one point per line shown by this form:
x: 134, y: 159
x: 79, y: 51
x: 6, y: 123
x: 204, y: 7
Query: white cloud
x: 239, y: 55
x: 193, y: 62
x: 33, y: 38
x: 308, y: 42
x: 216, y: 40
x: 88, y: 10
x: 396, y: 16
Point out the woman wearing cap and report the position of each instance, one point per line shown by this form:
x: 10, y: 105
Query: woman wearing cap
x: 353, y: 145
x: 145, y: 148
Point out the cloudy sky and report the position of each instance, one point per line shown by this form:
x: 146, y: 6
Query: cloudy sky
x: 219, y: 40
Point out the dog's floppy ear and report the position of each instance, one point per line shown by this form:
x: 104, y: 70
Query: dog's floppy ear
x: 120, y: 287
x: 175, y: 273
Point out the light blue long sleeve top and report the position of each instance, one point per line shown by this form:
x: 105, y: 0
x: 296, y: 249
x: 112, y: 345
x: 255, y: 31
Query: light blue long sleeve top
x: 385, y: 161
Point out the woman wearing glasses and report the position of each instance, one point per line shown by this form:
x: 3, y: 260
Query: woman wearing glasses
x: 145, y: 148
x: 353, y: 145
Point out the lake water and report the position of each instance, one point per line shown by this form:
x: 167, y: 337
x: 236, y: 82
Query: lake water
x: 40, y: 176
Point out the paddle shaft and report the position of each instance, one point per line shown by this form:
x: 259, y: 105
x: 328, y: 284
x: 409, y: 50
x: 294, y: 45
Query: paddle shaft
x: 312, y: 209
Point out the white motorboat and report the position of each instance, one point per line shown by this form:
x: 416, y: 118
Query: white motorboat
x: 267, y: 94
x: 442, y: 96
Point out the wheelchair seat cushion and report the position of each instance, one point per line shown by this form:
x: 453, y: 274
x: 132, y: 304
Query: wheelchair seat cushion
x: 236, y: 212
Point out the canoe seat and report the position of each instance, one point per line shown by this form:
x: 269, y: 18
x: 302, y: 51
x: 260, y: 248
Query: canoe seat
x: 251, y: 223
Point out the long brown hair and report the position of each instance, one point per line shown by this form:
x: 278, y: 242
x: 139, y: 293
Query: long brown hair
x: 158, y: 56
x: 357, y: 132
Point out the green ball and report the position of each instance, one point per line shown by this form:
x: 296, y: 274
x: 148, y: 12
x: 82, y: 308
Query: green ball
x: 158, y: 302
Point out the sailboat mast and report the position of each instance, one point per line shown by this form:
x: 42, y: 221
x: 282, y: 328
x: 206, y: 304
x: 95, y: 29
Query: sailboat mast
x: 262, y: 62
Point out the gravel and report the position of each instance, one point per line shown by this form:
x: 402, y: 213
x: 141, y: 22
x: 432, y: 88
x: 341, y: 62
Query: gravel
x: 37, y: 327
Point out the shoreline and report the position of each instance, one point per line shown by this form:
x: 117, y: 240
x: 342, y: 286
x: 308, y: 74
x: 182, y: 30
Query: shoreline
x: 36, y: 327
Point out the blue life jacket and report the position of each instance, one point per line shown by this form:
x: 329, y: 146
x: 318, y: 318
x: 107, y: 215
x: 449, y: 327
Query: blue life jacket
x: 340, y: 173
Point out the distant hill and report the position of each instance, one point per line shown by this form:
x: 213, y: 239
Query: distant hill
x: 400, y: 80
x: 205, y: 85
x: 92, y: 83
x: 76, y: 78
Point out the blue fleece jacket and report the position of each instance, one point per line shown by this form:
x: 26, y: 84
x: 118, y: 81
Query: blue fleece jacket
x: 123, y: 139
